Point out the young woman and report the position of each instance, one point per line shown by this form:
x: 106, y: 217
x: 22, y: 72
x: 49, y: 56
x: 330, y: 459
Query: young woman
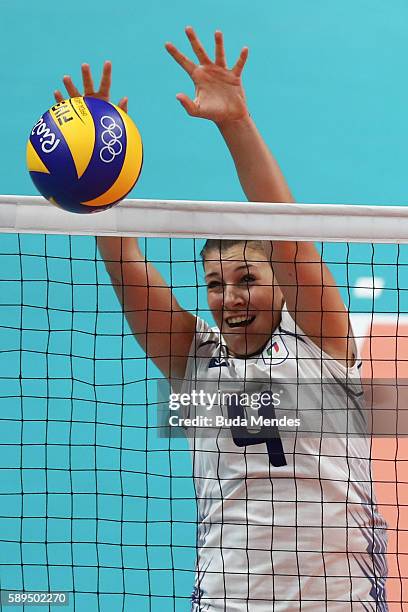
x: 285, y: 524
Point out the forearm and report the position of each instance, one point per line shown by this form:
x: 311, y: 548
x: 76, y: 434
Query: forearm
x: 299, y: 269
x: 306, y: 282
x: 128, y: 268
x: 120, y: 253
x: 163, y: 329
x: 263, y: 181
x: 258, y: 171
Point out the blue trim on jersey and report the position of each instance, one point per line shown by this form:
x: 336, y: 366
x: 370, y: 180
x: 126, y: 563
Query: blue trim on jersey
x: 198, y: 593
x: 218, y: 362
x: 285, y: 331
x: 377, y: 572
x: 207, y: 342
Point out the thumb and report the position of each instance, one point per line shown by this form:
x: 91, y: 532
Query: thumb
x: 188, y: 104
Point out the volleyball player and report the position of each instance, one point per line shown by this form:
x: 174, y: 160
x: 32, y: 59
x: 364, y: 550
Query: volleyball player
x: 285, y: 525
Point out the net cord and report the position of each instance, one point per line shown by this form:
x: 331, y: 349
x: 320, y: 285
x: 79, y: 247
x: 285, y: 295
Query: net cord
x: 208, y: 219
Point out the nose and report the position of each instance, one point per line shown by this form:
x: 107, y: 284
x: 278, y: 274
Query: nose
x: 234, y: 296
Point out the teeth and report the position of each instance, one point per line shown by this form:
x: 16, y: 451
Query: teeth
x: 237, y: 320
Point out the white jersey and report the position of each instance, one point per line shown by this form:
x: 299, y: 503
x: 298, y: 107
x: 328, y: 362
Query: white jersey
x: 292, y: 529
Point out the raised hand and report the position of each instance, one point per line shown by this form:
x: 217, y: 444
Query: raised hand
x: 219, y: 95
x: 103, y: 92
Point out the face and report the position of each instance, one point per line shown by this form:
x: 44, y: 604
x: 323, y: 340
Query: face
x: 243, y: 297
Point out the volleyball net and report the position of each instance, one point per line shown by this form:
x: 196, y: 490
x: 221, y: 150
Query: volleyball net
x: 94, y: 500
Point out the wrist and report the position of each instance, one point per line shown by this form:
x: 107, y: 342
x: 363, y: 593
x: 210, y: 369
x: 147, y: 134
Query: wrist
x: 234, y: 124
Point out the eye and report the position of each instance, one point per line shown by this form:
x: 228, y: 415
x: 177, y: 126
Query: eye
x: 248, y: 278
x: 214, y: 284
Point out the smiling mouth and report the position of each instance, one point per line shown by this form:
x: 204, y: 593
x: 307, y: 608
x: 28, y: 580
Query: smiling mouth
x: 239, y: 321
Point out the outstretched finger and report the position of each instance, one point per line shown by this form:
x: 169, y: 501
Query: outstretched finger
x: 123, y: 104
x: 70, y: 87
x: 87, y: 80
x: 219, y: 50
x: 58, y: 95
x: 197, y: 46
x: 239, y: 66
x: 106, y: 80
x: 181, y: 59
x: 187, y: 103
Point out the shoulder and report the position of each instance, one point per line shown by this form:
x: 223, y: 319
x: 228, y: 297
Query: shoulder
x: 289, y: 328
x: 206, y: 340
x: 207, y: 353
x: 312, y: 357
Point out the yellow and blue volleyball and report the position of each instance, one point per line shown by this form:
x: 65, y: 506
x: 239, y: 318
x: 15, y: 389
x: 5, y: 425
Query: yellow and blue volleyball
x: 84, y: 154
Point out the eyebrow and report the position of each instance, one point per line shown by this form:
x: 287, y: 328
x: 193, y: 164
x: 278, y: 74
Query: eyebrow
x: 243, y: 267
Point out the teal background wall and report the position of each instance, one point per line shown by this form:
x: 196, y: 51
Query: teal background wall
x: 326, y: 83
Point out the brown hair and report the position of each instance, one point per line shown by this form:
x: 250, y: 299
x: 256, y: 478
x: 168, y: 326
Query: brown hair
x: 221, y: 246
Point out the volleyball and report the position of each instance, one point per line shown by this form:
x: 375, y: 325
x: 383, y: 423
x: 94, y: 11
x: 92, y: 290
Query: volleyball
x: 84, y: 154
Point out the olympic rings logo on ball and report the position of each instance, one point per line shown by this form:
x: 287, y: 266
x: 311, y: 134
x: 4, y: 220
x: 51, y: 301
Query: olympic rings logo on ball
x: 111, y: 139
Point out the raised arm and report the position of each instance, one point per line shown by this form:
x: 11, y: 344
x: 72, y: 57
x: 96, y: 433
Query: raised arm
x: 163, y: 329
x: 308, y: 286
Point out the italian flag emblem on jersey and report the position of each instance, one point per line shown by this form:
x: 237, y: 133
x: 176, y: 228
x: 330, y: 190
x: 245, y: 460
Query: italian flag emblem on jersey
x: 276, y: 352
x: 274, y: 348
